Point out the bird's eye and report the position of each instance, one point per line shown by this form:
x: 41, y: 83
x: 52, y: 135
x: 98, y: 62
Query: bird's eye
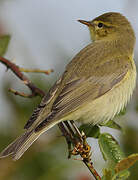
x: 100, y: 25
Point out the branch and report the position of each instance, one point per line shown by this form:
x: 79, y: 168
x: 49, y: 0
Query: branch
x: 16, y: 70
x: 69, y: 130
x: 47, y: 72
x: 81, y: 147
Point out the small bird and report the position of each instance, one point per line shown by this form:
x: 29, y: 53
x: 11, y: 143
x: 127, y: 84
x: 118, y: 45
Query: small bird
x: 96, y: 84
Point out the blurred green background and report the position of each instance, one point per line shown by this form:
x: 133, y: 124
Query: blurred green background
x: 42, y: 36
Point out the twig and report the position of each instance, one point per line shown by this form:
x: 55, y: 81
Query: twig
x: 92, y: 170
x: 82, y: 148
x: 16, y: 70
x: 36, y: 70
x: 21, y: 93
x: 77, y: 139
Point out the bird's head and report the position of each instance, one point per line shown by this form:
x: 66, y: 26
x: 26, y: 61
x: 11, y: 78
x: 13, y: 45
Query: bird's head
x: 109, y: 26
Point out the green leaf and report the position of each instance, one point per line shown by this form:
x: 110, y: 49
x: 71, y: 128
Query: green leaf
x: 136, y: 107
x: 90, y: 131
x: 121, y: 175
x: 4, y: 41
x: 107, y: 174
x: 110, y: 149
x: 119, y: 164
x: 126, y: 162
x: 112, y: 124
x: 122, y: 112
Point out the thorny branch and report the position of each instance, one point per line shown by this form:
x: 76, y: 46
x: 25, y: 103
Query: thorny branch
x: 69, y: 130
x: 16, y: 70
x: 36, y: 70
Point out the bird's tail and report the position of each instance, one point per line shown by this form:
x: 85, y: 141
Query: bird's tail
x: 23, y: 142
x: 20, y: 145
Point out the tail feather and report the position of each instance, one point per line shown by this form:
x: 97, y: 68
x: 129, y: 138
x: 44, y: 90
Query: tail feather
x: 23, y: 142
x: 20, y: 145
x: 11, y: 148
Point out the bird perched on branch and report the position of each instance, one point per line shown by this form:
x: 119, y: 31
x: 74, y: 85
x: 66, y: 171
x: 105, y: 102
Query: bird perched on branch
x: 95, y: 86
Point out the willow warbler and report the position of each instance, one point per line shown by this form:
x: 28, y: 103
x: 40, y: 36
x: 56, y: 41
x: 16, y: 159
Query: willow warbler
x: 95, y: 86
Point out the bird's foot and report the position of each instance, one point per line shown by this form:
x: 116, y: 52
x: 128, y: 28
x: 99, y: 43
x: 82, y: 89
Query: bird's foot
x: 82, y: 148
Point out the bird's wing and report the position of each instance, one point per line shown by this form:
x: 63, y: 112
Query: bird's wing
x: 79, y: 90
x: 49, y: 98
x: 44, y: 103
x: 85, y: 89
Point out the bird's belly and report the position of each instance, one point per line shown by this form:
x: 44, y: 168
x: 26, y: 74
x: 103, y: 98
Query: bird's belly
x: 108, y: 105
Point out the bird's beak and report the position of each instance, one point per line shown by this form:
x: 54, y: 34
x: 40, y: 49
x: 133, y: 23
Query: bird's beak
x: 88, y: 23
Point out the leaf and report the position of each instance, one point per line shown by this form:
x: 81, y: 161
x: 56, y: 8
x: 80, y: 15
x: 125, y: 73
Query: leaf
x: 121, y: 175
x: 112, y: 124
x: 136, y: 107
x: 90, y: 131
x: 110, y: 148
x: 4, y: 42
x: 126, y: 163
x: 122, y: 112
x: 109, y: 174
x: 112, y: 152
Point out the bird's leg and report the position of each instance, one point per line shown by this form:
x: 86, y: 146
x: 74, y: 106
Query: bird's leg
x: 70, y: 142
x: 79, y: 143
x: 83, y: 148
x: 78, y: 133
x: 86, y: 154
x: 69, y: 128
x: 68, y: 136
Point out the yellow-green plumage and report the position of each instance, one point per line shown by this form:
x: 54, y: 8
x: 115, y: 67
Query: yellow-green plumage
x: 95, y: 86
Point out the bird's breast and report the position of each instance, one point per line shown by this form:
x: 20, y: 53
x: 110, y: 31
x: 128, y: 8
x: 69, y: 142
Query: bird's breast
x: 108, y: 105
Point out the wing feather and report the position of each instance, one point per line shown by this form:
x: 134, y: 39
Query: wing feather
x: 86, y: 89
x: 90, y: 74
